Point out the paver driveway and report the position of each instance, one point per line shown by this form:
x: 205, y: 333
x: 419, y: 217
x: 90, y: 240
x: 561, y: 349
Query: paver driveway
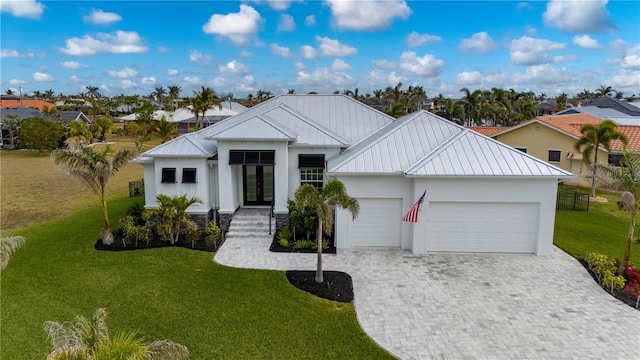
x: 470, y: 306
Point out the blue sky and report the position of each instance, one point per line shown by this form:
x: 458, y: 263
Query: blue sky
x: 131, y: 47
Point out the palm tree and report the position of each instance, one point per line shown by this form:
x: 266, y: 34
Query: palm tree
x: 453, y: 111
x: 333, y: 194
x: 9, y: 245
x: 77, y: 132
x: 49, y: 94
x: 159, y: 94
x: 291, y: 91
x: 397, y: 110
x: 593, y: 137
x: 94, y: 168
x: 93, y: 92
x: 377, y: 95
x: 9, y: 92
x: 172, y: 212
x: 89, y: 339
x: 204, y: 100
x: 603, y: 91
x: 626, y: 177
x: 174, y: 94
x: 166, y: 130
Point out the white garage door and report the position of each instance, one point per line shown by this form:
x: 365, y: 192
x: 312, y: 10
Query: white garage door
x: 378, y: 224
x: 482, y: 227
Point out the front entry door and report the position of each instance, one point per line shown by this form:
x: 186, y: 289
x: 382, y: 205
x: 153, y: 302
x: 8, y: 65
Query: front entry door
x: 258, y: 184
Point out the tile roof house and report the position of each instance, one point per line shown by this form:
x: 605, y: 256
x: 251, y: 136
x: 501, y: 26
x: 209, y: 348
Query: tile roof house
x: 552, y: 139
x: 259, y: 157
x: 17, y: 102
x: 487, y: 130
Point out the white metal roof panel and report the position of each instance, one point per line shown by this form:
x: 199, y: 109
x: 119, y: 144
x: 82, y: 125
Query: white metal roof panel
x: 472, y: 154
x: 260, y: 127
x: 187, y: 145
x: 309, y: 132
x: 397, y: 146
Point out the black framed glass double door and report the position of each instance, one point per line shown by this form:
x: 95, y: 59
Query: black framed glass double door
x: 258, y: 184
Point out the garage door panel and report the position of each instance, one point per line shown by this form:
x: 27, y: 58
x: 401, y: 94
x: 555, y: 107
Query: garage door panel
x: 482, y: 227
x: 378, y: 223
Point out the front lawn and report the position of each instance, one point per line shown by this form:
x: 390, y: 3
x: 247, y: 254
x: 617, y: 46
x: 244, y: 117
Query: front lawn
x: 166, y: 293
x: 603, y: 229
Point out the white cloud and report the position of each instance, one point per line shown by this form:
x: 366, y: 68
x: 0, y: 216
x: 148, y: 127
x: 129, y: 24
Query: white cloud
x: 128, y: 84
x: 309, y: 52
x: 100, y: 17
x: 370, y: 16
x: 195, y: 55
x: 279, y: 4
x: 426, y: 66
x: 578, y: 16
x: 333, y: 47
x: 149, y: 81
x: 340, y: 65
x: 286, y: 23
x: 377, y: 77
x: 416, y: 39
x: 626, y: 79
x: 121, y: 42
x: 631, y: 60
x: 544, y: 74
x: 76, y: 79
x: 26, y: 8
x: 234, y: 68
x: 245, y: 54
x: 191, y: 81
x: 384, y: 64
x: 586, y: 42
x: 173, y: 72
x: 285, y: 52
x: 564, y: 58
x: 237, y: 27
x: 42, y: 77
x: 524, y: 5
x: 163, y: 50
x: 532, y: 51
x: 17, y: 82
x: 299, y: 66
x: 530, y: 30
x: 468, y: 78
x: 217, y: 82
x: 125, y: 73
x: 619, y: 45
x: 8, y: 53
x: 478, y: 43
x: 73, y: 65
x: 325, y: 79
x: 310, y: 20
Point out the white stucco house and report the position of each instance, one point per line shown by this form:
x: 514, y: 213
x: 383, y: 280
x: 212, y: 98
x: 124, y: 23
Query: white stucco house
x: 482, y: 196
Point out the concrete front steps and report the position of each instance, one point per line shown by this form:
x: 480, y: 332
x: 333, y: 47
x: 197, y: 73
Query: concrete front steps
x: 250, y: 223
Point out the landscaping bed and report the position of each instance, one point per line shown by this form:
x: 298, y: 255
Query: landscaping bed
x: 121, y: 243
x: 337, y: 285
x: 617, y: 293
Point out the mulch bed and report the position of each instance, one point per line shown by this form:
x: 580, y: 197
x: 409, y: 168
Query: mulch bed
x: 119, y: 245
x: 618, y: 294
x: 337, y: 285
x: 275, y: 247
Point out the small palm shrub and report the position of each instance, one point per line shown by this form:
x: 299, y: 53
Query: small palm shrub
x: 132, y: 230
x: 302, y: 244
x: 212, y: 233
x: 284, y: 236
x: 191, y: 232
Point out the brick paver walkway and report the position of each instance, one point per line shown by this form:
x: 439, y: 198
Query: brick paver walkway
x: 470, y: 306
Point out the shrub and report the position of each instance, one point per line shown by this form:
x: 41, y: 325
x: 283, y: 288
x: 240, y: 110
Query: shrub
x: 191, y: 232
x: 304, y: 219
x: 136, y: 210
x: 302, y: 244
x: 213, y: 232
x: 285, y: 233
x: 600, y: 264
x: 131, y: 230
x: 613, y: 282
x: 325, y: 245
x: 633, y: 284
x: 283, y: 242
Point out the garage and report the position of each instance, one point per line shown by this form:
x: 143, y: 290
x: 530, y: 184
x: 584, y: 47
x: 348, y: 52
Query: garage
x: 482, y: 227
x: 378, y: 223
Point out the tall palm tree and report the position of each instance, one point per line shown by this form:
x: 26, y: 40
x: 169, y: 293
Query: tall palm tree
x: 603, y: 91
x: 159, y: 93
x: 49, y: 94
x: 172, y: 212
x: 174, y: 94
x: 627, y: 177
x: 37, y: 94
x: 165, y: 130
x: 9, y: 245
x: 396, y: 110
x: 291, y: 91
x: 204, y: 100
x: 333, y: 194
x: 93, y: 92
x: 377, y: 95
x: 95, y: 168
x: 593, y: 137
x: 9, y: 92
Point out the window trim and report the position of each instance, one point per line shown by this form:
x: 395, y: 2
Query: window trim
x: 265, y: 157
x: 164, y: 178
x: 195, y: 175
x: 314, y: 161
x: 619, y: 157
x: 521, y: 149
x: 318, y: 183
x: 555, y: 151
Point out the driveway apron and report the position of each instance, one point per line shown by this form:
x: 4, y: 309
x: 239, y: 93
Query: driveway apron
x: 469, y: 306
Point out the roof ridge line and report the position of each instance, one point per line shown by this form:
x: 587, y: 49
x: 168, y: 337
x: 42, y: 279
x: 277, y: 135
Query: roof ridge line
x: 276, y: 125
x: 312, y: 123
x: 433, y: 153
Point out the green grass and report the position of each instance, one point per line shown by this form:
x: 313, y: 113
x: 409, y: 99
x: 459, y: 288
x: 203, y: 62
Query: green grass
x: 603, y: 229
x: 167, y: 293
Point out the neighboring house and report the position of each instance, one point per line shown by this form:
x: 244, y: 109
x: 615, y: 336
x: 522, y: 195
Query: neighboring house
x: 552, y: 139
x: 186, y: 118
x: 18, y: 102
x: 482, y: 196
x: 21, y: 112
x: 487, y: 130
x: 608, y: 102
x: 69, y: 116
x: 618, y: 117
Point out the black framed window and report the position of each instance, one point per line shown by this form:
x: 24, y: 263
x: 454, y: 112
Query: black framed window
x: 189, y: 176
x: 168, y: 175
x: 252, y: 157
x: 524, y: 150
x: 554, y: 155
x: 614, y: 159
x: 313, y: 176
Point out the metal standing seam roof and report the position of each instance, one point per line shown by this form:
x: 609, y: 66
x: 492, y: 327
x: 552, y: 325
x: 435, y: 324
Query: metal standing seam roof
x: 259, y: 127
x: 187, y: 145
x: 309, y: 132
x: 424, y: 144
